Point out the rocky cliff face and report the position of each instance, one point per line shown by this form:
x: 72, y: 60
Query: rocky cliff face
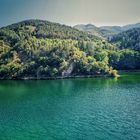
x: 68, y: 71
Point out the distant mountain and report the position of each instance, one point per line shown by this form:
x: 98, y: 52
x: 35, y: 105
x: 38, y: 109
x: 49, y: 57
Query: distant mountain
x: 114, y: 29
x: 92, y: 29
x: 105, y: 31
x: 118, y: 29
x: 89, y: 28
x: 131, y: 26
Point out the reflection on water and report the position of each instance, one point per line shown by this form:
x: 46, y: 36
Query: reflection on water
x: 18, y: 89
x: 71, y: 109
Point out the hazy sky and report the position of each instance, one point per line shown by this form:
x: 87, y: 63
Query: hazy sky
x: 71, y: 12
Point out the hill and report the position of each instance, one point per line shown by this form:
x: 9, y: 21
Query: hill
x: 46, y: 29
x: 40, y: 49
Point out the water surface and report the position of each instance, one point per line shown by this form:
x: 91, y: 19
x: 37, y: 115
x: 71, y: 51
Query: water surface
x: 71, y: 109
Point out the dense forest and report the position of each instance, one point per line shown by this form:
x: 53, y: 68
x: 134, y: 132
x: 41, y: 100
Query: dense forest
x: 128, y: 43
x: 42, y: 49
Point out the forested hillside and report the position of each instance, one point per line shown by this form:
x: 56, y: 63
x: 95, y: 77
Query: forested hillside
x: 128, y: 40
x: 41, y: 49
x: 37, y: 48
x: 128, y: 43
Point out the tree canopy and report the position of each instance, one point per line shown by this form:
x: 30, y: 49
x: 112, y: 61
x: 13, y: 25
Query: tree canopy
x: 36, y: 48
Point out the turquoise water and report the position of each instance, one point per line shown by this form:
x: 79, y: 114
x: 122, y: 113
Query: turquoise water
x: 71, y: 109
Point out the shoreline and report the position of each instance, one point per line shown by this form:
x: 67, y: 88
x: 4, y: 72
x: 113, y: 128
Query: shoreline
x: 72, y: 76
x: 59, y: 77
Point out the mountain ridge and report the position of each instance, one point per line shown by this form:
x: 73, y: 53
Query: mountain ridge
x: 105, y: 31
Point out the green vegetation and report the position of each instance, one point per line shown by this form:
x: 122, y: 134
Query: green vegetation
x: 41, y: 49
x: 128, y: 56
x: 128, y: 40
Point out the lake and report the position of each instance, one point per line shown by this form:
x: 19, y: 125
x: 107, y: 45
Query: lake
x: 71, y: 109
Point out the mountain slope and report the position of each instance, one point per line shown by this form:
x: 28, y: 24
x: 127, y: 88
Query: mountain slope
x: 129, y: 39
x: 46, y: 29
x: 41, y: 49
x: 128, y: 56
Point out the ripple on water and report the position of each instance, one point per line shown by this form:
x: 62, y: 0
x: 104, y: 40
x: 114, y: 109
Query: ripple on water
x: 82, y: 109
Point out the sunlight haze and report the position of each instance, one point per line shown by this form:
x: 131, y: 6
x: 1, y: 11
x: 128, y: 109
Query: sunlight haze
x: 71, y: 12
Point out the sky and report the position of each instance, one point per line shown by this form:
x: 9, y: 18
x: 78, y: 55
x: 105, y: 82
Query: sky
x: 71, y: 12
